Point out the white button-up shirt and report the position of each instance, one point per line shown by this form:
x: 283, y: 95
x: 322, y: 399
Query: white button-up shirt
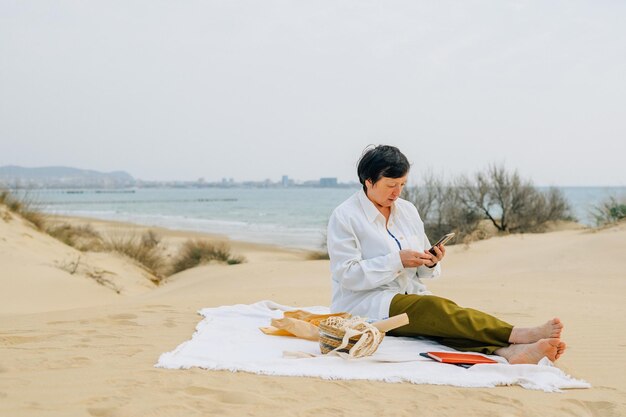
x: 364, y: 258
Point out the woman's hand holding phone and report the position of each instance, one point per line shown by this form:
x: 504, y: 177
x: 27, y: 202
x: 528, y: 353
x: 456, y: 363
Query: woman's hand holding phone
x: 430, y: 258
x: 440, y: 252
x: 413, y: 259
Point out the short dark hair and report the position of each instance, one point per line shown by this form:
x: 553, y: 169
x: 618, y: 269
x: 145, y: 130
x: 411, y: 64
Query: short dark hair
x: 382, y: 161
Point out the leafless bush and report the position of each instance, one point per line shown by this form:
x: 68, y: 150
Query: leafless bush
x: 543, y: 209
x: 510, y: 203
x: 428, y: 196
x: 441, y: 210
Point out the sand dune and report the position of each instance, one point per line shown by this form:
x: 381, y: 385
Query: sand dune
x: 40, y: 274
x: 74, y: 347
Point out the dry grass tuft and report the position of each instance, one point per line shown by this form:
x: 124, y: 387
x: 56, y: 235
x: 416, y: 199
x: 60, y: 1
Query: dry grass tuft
x: 141, y: 250
x: 146, y: 249
x: 196, y: 252
x: 25, y: 207
x: 84, y: 238
x: 151, y: 238
x: 5, y: 197
x: 6, y: 215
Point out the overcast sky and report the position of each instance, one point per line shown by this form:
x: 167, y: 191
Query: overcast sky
x: 257, y: 89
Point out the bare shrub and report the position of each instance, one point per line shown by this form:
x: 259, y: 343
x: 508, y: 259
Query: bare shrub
x: 427, y: 196
x: 195, y: 252
x: 441, y: 209
x: 508, y: 202
x: 511, y: 203
x: 84, y: 238
x: 458, y: 218
x: 542, y: 209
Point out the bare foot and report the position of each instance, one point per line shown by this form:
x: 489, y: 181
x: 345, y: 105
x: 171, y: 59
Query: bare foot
x: 560, y: 350
x: 532, y: 353
x: 550, y: 329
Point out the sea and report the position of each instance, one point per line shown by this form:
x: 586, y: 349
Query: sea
x: 293, y: 217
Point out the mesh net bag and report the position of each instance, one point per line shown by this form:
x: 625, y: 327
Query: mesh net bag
x: 353, y: 336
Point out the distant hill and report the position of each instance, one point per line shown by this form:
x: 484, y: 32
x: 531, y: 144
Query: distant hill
x: 63, y: 177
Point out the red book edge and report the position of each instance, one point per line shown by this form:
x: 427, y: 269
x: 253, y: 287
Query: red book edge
x: 453, y: 357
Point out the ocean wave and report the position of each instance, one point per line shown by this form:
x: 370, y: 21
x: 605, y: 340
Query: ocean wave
x: 268, y: 233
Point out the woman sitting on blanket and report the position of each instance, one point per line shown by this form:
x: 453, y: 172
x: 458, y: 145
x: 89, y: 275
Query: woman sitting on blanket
x: 379, y: 255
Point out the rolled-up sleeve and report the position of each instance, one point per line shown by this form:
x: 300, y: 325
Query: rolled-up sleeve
x: 347, y: 265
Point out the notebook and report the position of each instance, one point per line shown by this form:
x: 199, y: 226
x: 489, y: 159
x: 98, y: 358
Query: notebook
x: 462, y: 359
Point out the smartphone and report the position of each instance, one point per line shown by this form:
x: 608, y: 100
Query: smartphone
x: 441, y: 241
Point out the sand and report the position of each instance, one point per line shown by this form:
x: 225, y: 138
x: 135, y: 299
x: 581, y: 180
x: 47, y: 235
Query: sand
x: 74, y: 347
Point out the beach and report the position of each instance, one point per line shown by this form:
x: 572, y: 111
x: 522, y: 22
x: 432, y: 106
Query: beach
x: 163, y: 162
x: 74, y: 346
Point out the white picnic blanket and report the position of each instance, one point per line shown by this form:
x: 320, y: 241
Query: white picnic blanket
x: 228, y: 338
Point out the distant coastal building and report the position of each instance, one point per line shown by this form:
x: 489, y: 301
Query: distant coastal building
x: 228, y: 182
x: 73, y: 178
x: 328, y: 182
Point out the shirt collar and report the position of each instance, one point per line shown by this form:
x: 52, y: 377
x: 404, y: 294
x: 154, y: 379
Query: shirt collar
x: 371, y: 212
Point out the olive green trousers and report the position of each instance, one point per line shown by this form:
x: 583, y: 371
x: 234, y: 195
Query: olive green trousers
x: 442, y: 320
